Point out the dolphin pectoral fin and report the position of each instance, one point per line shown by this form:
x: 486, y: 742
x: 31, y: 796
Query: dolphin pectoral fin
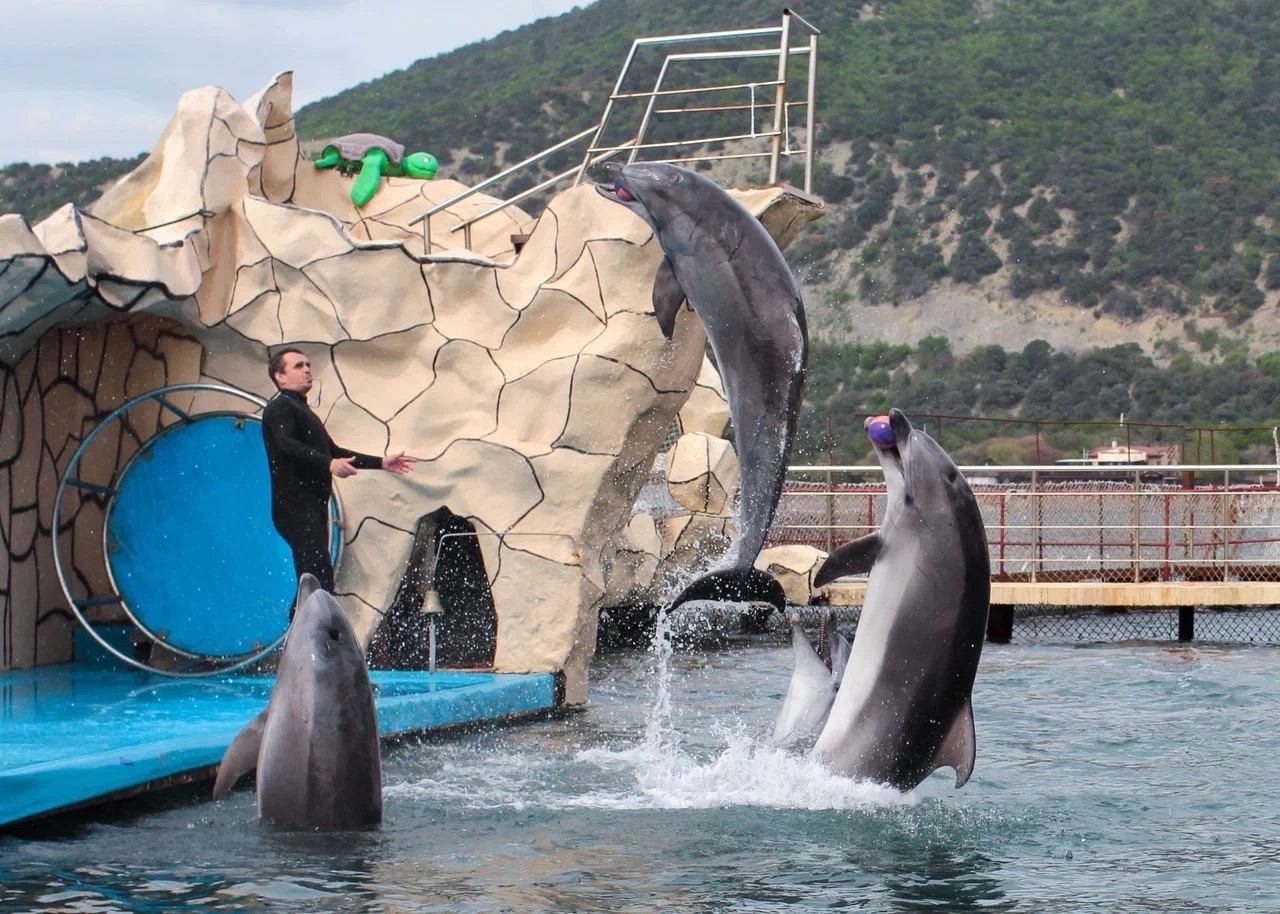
x: 735, y: 585
x: 854, y: 557
x: 668, y: 296
x: 960, y: 748
x: 241, y: 756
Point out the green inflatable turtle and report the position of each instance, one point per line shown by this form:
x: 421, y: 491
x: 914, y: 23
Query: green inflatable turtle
x: 374, y: 157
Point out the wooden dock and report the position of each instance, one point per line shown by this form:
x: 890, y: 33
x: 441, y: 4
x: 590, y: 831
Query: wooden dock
x: 1184, y: 596
x: 1087, y: 593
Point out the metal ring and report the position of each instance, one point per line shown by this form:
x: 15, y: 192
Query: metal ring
x: 240, y: 660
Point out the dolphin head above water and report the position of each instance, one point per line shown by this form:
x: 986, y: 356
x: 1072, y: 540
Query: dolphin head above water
x: 649, y: 189
x: 315, y: 747
x: 920, y: 475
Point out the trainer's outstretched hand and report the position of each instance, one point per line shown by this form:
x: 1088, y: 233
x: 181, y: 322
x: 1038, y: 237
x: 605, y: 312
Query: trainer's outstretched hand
x: 398, y: 463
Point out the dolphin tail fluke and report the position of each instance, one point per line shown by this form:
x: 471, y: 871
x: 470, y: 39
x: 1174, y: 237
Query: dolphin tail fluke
x: 241, y: 756
x: 854, y: 557
x: 960, y: 748
x: 735, y: 585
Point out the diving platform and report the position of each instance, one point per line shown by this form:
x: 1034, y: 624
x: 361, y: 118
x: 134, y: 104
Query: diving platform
x: 76, y: 735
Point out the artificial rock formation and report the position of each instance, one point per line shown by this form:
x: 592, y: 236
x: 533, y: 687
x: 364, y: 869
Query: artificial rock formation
x: 795, y: 567
x: 702, y: 473
x: 535, y: 388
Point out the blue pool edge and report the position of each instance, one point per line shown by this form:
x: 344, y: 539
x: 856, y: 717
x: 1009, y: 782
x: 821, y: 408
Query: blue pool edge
x: 46, y: 770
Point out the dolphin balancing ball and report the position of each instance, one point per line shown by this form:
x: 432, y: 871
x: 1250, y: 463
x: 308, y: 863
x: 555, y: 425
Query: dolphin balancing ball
x: 880, y: 432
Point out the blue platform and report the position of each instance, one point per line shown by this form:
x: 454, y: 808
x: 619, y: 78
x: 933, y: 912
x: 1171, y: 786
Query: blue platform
x: 76, y: 734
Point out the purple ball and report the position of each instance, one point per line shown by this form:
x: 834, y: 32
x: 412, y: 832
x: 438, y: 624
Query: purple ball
x: 880, y: 431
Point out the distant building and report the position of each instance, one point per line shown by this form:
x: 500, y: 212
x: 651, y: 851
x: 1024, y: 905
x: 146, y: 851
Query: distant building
x: 1130, y: 455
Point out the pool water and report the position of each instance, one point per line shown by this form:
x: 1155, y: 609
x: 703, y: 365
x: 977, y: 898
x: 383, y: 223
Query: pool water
x: 1128, y: 777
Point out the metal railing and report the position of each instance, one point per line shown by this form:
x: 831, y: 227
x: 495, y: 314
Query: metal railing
x: 779, y: 109
x: 1069, y: 524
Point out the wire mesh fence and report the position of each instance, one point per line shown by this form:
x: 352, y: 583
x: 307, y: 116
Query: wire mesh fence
x: 1183, y: 524
x: 1242, y: 625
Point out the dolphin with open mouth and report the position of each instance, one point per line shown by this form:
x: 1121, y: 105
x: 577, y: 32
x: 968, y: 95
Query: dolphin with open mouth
x: 315, y: 747
x: 904, y: 708
x: 719, y: 258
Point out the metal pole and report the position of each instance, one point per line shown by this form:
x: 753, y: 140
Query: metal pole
x: 780, y: 99
x: 1226, y: 507
x: 648, y: 111
x: 1035, y: 526
x: 1137, y: 532
x: 608, y: 109
x: 811, y: 115
x: 831, y: 496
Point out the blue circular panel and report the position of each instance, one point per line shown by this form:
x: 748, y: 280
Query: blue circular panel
x: 191, y: 546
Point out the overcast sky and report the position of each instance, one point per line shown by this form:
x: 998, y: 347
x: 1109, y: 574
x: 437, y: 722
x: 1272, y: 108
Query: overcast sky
x: 80, y: 79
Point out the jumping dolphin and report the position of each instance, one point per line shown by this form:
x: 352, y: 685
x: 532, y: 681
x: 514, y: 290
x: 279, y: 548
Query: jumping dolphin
x: 723, y: 261
x: 904, y: 708
x: 316, y: 744
x: 814, y: 683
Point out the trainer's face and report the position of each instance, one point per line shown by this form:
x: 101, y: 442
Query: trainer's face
x: 295, y: 374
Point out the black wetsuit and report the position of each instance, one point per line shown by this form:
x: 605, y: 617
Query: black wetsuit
x: 299, y: 451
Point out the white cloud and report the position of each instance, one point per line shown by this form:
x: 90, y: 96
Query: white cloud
x: 107, y: 74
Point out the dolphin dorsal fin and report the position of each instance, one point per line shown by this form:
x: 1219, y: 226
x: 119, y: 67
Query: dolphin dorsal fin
x: 960, y: 748
x: 854, y: 557
x: 241, y: 756
x: 668, y: 296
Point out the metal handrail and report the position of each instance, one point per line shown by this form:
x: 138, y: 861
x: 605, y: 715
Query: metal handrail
x: 595, y: 152
x: 1130, y: 469
x: 1170, y: 529
x: 489, y: 182
x: 466, y: 224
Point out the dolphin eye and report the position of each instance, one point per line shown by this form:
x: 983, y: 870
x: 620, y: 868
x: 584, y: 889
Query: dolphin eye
x: 952, y: 475
x: 334, y: 633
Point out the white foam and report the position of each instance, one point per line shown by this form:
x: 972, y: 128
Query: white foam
x: 746, y: 772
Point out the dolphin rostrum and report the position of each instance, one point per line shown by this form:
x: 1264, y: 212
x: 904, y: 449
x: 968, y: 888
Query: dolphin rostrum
x: 316, y: 745
x: 814, y: 683
x: 904, y: 708
x: 723, y: 261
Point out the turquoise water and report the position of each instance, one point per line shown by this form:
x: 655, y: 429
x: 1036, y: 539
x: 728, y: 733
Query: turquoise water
x: 1119, y: 778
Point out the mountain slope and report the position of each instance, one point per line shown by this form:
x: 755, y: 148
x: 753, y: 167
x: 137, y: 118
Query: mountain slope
x: 1109, y: 160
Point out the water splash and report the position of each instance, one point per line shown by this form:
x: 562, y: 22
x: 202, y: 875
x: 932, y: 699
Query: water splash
x: 658, y: 725
x: 747, y: 772
x: 675, y: 758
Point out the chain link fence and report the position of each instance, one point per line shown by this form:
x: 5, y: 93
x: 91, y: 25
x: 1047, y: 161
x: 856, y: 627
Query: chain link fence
x: 1182, y: 524
x: 712, y: 624
x: 1189, y: 525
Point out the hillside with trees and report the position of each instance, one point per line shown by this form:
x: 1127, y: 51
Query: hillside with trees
x: 1049, y: 403
x: 1110, y: 158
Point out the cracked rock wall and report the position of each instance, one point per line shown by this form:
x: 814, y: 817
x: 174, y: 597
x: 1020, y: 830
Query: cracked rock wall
x: 535, y: 388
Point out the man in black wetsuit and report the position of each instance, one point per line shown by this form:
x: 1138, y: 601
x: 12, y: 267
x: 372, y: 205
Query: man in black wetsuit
x: 303, y: 460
